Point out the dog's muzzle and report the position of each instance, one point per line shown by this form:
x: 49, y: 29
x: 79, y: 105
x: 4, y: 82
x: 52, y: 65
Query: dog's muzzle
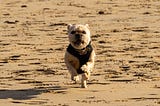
x: 78, y: 39
x: 78, y: 36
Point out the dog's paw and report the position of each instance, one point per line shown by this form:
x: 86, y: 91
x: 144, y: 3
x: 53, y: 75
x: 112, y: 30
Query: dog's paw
x: 84, y: 84
x: 85, y: 69
x: 75, y: 78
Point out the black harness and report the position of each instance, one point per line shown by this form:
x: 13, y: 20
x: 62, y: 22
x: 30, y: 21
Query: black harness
x: 83, y: 58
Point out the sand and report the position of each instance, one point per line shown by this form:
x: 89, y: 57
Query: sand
x: 33, y: 40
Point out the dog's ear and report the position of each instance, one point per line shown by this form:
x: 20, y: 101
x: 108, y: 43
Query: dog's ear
x: 69, y: 26
x: 87, y: 25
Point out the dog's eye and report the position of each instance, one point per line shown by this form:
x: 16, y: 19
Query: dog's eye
x: 73, y: 32
x: 84, y: 32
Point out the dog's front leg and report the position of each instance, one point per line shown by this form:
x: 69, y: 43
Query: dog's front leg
x: 71, y: 68
x: 73, y: 72
x: 88, y: 67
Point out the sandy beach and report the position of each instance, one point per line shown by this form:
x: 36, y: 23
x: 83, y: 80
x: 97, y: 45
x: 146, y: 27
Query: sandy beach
x: 33, y: 40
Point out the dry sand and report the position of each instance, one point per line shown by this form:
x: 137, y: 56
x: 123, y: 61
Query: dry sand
x: 33, y: 39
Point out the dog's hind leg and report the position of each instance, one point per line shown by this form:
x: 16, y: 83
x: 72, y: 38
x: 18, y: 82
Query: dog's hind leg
x: 84, y: 80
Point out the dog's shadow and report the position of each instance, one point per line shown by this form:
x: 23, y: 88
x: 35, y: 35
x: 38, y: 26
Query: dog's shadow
x: 25, y: 94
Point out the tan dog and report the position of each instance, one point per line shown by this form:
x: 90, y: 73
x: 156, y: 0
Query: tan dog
x: 79, y: 56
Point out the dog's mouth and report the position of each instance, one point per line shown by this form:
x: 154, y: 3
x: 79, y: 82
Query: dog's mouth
x: 79, y: 42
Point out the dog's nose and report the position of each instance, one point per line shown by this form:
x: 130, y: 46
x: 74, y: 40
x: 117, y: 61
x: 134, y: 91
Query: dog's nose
x: 78, y: 36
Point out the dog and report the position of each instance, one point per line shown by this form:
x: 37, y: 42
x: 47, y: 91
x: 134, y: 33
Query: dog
x: 79, y: 55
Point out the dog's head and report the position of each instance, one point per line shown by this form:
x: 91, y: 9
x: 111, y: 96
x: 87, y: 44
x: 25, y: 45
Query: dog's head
x: 79, y: 35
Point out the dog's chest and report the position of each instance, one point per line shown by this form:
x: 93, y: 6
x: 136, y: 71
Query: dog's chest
x: 82, y: 55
